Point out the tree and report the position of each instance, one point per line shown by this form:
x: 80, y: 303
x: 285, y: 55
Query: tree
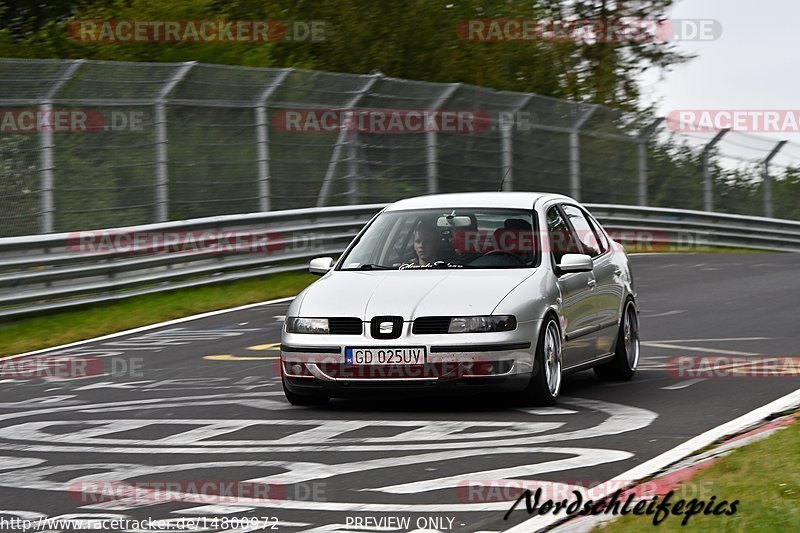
x: 412, y: 39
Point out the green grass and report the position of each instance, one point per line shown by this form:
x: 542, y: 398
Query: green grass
x: 763, y: 476
x: 73, y: 325
x: 33, y: 333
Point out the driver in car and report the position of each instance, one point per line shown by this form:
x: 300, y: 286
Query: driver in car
x: 429, y: 246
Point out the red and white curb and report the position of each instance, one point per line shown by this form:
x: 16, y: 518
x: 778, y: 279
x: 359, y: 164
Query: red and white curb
x: 682, y: 472
x: 671, y: 466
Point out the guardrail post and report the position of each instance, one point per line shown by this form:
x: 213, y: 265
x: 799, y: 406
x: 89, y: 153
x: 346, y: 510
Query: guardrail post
x: 432, y: 141
x: 641, y: 157
x: 708, y: 182
x: 160, y: 126
x: 341, y: 140
x: 768, y: 208
x: 262, y: 141
x: 46, y: 146
x: 575, y: 152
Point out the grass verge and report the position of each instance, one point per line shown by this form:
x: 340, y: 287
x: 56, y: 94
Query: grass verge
x: 67, y: 326
x: 34, y: 333
x: 763, y: 476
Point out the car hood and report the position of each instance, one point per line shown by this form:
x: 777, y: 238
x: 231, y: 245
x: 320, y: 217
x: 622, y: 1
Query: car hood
x: 410, y: 294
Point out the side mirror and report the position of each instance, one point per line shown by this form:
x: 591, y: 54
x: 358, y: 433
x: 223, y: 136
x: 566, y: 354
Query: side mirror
x: 575, y: 263
x: 320, y: 265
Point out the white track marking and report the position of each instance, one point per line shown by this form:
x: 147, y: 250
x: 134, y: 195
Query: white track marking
x: 215, y: 509
x: 548, y: 411
x: 581, y: 458
x: 695, y: 349
x: 723, y: 339
x: 683, y: 384
x: 662, y: 461
x: 621, y: 419
x: 151, y: 326
x: 665, y: 313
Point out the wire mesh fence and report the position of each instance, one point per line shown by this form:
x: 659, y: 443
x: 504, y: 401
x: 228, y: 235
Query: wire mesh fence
x: 92, y: 144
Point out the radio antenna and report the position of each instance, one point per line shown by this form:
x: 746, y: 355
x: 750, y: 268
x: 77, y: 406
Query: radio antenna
x: 502, y: 181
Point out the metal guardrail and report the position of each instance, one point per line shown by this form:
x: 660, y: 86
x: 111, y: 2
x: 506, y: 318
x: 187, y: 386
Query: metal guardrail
x: 44, y: 273
x: 687, y: 229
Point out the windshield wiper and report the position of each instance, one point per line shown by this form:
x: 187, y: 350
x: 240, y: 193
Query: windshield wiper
x: 370, y: 266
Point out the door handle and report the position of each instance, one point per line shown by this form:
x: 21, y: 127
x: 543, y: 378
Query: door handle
x: 591, y: 283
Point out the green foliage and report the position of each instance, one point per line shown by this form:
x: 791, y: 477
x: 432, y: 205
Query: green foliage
x: 412, y: 39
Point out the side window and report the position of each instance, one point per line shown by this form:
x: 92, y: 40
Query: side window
x: 561, y: 238
x: 598, y: 233
x: 585, y: 232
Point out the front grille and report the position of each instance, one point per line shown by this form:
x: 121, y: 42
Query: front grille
x: 396, y: 323
x: 345, y: 326
x: 431, y: 325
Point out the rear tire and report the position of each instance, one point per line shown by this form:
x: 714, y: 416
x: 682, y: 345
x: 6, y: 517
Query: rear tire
x: 304, y: 400
x: 545, y: 384
x: 626, y: 356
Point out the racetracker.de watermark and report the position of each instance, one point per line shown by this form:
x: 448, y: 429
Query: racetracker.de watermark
x: 381, y: 120
x: 79, y: 120
x: 715, y: 366
x: 197, y: 31
x: 204, y: 491
x: 501, y: 490
x: 745, y: 120
x: 201, y: 241
x: 592, y: 30
x: 68, y: 367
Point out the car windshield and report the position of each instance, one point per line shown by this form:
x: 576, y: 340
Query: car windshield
x: 446, y: 238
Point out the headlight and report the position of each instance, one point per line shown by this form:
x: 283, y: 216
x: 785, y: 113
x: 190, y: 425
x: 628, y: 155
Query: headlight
x: 307, y: 325
x: 480, y: 324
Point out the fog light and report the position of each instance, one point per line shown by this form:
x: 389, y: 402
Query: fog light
x: 296, y: 370
x: 482, y: 369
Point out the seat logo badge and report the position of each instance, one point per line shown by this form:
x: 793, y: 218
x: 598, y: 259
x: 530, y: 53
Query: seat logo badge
x: 385, y: 328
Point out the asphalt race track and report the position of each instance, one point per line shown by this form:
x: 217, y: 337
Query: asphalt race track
x: 199, y: 401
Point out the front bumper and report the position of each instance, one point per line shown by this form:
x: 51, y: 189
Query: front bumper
x: 501, y: 361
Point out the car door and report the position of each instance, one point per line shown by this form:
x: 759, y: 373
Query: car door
x: 609, y: 290
x: 576, y: 290
x: 605, y: 297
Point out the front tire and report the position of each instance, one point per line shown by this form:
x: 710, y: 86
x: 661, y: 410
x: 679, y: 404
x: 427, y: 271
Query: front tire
x: 545, y: 384
x: 626, y: 356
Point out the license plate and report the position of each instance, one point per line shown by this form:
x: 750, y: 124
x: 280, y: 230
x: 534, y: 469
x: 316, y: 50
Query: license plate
x: 384, y: 356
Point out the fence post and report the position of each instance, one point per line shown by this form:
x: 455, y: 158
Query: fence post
x: 641, y: 158
x: 46, y: 147
x: 432, y: 141
x: 262, y: 141
x: 708, y: 182
x: 575, y: 152
x: 507, y: 142
x: 341, y: 140
x: 768, y: 207
x: 160, y: 124
x: 352, y: 167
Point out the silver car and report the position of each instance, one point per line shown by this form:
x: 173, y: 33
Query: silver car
x: 506, y: 291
